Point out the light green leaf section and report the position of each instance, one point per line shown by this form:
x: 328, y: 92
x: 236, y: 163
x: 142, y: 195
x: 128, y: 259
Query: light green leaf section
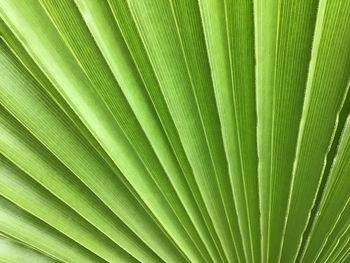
x: 185, y: 102
x: 229, y: 35
x: 27, y: 153
x: 77, y: 156
x: 329, y: 68
x: 98, y: 16
x: 19, y: 189
x: 114, y: 139
x: 174, y: 131
x: 40, y: 77
x: 202, y: 220
x: 17, y: 224
x: 14, y: 252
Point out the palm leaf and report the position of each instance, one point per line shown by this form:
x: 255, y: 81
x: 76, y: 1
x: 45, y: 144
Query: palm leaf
x: 174, y: 131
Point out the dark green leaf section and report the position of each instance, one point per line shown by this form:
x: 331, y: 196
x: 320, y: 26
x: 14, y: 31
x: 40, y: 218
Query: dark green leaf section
x: 284, y: 34
x: 345, y: 111
x: 324, y: 233
x: 329, y: 68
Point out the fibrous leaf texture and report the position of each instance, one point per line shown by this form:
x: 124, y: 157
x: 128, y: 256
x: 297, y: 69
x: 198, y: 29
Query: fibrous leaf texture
x: 207, y: 131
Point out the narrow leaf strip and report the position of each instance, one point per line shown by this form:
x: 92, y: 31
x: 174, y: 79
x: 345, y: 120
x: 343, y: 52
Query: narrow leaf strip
x: 232, y: 68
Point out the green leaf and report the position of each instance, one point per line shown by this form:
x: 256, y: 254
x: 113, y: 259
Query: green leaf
x: 77, y: 156
x: 232, y: 68
x: 175, y: 131
x: 205, y: 150
x: 328, y: 68
x: 12, y: 252
x: 18, y: 224
x: 54, y: 213
x: 284, y: 32
x: 324, y: 233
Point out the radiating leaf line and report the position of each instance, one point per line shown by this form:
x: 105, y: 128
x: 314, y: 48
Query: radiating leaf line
x: 169, y: 86
x: 340, y: 243
x: 18, y: 224
x: 134, y: 125
x: 87, y: 206
x: 111, y: 185
x: 324, y: 193
x: 75, y: 120
x: 242, y: 111
x: 318, y: 99
x: 126, y: 25
x: 59, y: 217
x: 284, y: 32
x: 216, y: 41
x: 109, y: 231
x: 169, y: 190
x: 175, y: 131
x: 327, y: 232
x: 202, y: 102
